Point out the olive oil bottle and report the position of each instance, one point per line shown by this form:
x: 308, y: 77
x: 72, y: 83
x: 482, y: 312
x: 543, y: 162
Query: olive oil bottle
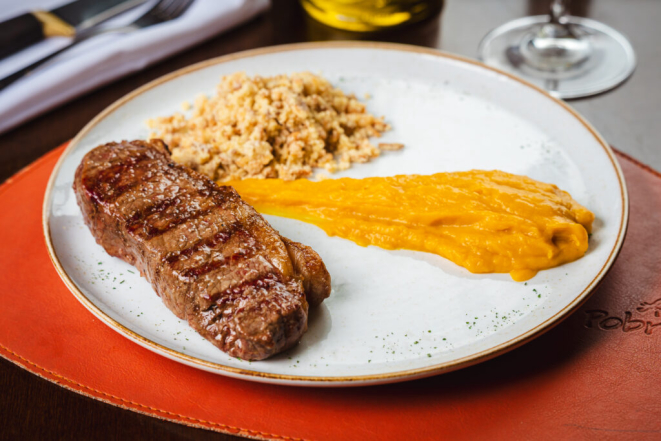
x: 370, y: 15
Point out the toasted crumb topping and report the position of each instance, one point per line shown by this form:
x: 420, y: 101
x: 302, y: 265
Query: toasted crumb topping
x: 390, y: 146
x: 272, y: 127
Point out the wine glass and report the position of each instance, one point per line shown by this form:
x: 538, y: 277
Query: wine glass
x: 571, y: 57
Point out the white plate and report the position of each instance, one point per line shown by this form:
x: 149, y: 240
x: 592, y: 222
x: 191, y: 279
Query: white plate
x: 392, y: 315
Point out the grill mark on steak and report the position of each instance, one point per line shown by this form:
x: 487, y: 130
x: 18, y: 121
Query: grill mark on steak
x: 183, y: 212
x: 187, y: 234
x: 122, y: 190
x: 139, y: 217
x: 148, y: 231
x: 212, y: 259
x: 214, y: 283
x: 105, y: 187
x: 212, y: 242
x: 215, y: 264
x: 251, y: 298
x: 230, y: 294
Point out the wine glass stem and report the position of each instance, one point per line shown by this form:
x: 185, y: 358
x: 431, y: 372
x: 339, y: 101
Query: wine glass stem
x: 558, y: 10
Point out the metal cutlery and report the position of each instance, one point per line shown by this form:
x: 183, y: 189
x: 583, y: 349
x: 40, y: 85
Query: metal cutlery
x: 161, y: 12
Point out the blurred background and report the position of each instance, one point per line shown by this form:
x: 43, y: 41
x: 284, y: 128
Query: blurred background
x: 628, y: 117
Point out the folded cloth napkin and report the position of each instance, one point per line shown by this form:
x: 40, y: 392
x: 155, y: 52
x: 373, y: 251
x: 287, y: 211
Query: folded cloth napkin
x: 104, y: 58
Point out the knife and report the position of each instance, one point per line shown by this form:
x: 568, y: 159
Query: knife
x: 67, y: 20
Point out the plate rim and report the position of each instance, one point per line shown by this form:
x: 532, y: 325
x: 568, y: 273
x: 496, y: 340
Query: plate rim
x: 354, y: 380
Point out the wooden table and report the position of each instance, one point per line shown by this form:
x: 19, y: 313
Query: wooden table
x: 628, y: 117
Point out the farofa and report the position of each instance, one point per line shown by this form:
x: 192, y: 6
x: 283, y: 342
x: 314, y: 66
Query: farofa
x: 271, y: 127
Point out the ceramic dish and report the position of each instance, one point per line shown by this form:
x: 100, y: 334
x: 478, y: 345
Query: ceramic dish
x: 392, y: 315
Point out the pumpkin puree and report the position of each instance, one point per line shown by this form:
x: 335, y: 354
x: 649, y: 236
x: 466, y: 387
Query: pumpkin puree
x: 485, y: 221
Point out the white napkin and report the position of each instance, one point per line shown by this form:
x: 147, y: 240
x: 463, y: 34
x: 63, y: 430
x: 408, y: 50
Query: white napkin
x: 104, y: 58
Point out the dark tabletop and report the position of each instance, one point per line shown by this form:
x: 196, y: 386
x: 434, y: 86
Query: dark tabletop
x: 628, y: 117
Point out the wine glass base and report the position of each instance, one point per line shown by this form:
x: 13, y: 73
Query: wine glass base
x: 611, y: 63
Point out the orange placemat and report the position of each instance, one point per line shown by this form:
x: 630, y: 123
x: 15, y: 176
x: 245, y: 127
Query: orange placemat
x: 596, y: 375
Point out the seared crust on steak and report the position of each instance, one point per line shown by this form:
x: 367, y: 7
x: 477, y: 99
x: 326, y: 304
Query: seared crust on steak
x: 211, y: 257
x: 308, y: 264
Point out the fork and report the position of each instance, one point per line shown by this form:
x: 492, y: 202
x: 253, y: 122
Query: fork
x: 162, y: 11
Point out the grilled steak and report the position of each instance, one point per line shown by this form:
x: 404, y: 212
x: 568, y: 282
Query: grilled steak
x: 211, y: 257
